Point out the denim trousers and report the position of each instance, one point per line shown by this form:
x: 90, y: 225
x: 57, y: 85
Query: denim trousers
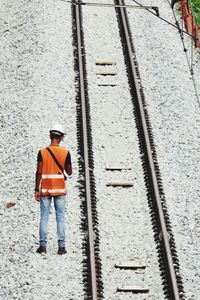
x: 59, y: 204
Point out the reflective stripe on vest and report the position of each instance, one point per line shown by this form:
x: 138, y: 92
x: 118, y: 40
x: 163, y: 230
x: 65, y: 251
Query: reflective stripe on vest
x: 54, y: 191
x: 52, y: 176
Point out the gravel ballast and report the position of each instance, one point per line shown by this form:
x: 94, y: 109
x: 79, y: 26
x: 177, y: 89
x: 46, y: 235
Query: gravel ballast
x: 37, y: 86
x: 37, y: 89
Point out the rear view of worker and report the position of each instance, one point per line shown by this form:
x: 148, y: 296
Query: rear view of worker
x: 53, y: 163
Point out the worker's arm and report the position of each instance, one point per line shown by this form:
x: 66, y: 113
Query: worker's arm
x: 68, y: 164
x: 38, y: 176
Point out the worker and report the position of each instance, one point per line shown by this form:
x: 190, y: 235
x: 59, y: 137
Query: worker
x: 53, y: 163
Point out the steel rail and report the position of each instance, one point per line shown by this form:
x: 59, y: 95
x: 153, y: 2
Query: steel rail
x: 93, y: 279
x: 164, y: 232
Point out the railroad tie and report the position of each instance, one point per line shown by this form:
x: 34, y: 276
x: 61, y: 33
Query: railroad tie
x: 132, y: 264
x: 106, y: 73
x: 133, y: 289
x: 105, y: 63
x: 117, y: 168
x: 120, y: 183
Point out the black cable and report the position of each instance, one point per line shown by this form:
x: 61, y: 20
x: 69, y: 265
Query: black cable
x: 192, y: 59
x: 185, y: 50
x: 166, y: 21
x: 181, y: 36
x: 181, y: 31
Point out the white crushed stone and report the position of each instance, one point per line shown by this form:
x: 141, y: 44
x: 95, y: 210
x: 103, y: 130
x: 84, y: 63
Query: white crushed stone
x: 37, y: 86
x: 37, y: 89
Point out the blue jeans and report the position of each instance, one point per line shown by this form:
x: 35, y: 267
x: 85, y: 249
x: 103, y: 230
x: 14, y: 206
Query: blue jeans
x: 59, y: 204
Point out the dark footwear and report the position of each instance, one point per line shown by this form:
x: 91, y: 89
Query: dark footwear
x: 61, y: 250
x: 41, y: 249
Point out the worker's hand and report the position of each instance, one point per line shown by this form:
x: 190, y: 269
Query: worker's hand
x: 37, y: 196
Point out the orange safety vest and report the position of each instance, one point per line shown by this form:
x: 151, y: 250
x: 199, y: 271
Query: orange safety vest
x: 53, y: 182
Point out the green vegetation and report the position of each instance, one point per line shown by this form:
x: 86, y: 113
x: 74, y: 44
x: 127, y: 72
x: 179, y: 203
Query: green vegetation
x: 195, y: 7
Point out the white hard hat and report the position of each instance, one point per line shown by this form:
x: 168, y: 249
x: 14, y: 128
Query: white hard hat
x: 57, y: 129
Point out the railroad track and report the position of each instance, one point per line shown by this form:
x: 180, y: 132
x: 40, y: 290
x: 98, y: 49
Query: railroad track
x: 91, y: 263
x: 166, y: 249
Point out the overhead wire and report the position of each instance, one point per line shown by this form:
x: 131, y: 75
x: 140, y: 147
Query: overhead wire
x: 181, y: 32
x: 190, y: 64
x: 164, y: 20
x: 181, y: 36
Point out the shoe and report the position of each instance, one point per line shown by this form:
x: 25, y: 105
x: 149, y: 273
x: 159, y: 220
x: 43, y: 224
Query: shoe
x: 41, y: 249
x: 61, y: 250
